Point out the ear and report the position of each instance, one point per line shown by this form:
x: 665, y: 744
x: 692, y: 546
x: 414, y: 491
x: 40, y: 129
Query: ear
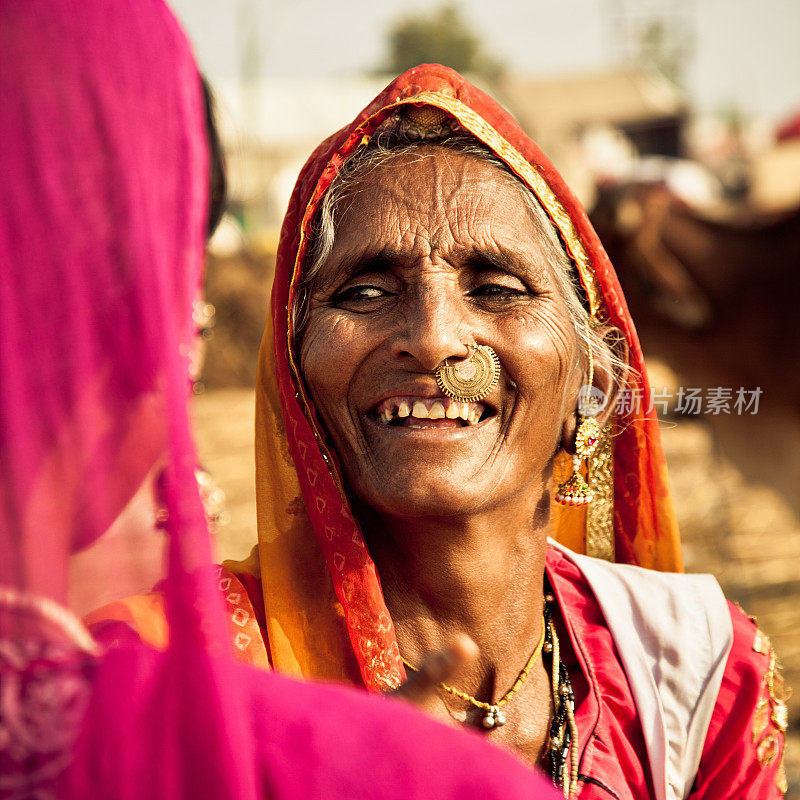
x: 605, y: 388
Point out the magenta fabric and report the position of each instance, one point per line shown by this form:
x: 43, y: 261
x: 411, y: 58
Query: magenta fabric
x: 103, y: 201
x: 326, y: 742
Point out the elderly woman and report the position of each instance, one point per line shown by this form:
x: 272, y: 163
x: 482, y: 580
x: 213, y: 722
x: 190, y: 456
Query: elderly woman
x: 436, y: 399
x: 436, y: 426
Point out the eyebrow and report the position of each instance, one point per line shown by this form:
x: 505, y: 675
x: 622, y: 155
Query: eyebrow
x: 351, y: 266
x: 480, y: 259
x: 476, y: 258
x: 501, y: 259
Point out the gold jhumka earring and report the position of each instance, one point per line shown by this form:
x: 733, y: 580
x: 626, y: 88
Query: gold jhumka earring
x: 575, y: 491
x: 472, y: 378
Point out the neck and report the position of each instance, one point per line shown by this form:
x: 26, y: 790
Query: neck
x: 481, y: 575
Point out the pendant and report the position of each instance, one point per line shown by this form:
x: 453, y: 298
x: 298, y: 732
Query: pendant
x: 494, y: 718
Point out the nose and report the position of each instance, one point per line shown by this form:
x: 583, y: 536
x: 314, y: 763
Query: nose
x: 434, y: 327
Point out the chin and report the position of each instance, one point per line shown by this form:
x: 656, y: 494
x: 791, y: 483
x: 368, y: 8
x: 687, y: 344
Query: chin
x: 416, y: 498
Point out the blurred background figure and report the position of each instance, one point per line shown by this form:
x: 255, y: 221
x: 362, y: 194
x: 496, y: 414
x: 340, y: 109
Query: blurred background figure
x: 677, y: 123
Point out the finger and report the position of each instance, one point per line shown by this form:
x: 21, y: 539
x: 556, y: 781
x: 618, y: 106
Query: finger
x: 423, y: 683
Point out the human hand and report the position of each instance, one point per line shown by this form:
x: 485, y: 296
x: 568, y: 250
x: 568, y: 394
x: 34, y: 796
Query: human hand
x: 422, y: 684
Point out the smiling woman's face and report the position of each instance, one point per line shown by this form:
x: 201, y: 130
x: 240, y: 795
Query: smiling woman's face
x: 433, y: 251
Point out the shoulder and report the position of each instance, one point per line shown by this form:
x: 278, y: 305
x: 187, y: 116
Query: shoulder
x: 653, y: 614
x: 673, y: 634
x: 630, y: 590
x: 142, y: 614
x: 240, y: 588
x: 145, y: 617
x: 717, y: 685
x: 743, y: 751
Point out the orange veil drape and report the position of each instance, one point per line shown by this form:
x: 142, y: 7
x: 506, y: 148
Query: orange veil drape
x: 324, y: 609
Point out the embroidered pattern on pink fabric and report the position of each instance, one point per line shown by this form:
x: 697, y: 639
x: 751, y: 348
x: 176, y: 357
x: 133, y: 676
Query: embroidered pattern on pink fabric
x: 44, y: 691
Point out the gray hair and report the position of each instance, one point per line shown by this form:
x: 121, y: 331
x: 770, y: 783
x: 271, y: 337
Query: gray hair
x: 604, y: 346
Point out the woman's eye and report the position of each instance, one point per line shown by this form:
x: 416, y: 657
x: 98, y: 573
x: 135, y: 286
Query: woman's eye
x: 355, y: 293
x: 498, y: 291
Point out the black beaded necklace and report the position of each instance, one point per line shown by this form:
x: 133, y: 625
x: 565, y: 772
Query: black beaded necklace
x: 562, y: 752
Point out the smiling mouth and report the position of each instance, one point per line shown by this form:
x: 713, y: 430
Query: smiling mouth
x: 429, y: 412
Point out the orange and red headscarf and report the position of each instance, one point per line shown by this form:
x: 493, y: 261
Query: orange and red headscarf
x: 324, y: 608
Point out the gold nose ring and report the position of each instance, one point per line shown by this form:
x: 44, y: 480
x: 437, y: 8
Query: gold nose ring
x: 472, y: 378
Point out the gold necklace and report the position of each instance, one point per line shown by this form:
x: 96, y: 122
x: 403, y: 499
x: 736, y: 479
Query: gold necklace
x: 494, y: 717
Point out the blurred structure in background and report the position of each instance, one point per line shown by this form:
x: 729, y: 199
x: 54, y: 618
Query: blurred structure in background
x: 654, y: 34
x: 698, y: 207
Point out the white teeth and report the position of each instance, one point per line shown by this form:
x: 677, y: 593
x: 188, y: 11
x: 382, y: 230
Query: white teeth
x: 437, y: 411
x: 419, y: 411
x: 474, y: 416
x: 403, y: 410
x: 452, y: 410
x: 386, y: 416
x: 463, y: 411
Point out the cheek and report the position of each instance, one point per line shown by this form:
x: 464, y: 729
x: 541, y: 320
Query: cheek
x: 540, y: 352
x: 329, y: 356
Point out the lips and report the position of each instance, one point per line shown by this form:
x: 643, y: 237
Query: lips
x: 429, y: 412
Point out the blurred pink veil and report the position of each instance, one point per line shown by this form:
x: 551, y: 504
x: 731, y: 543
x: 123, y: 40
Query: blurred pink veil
x: 103, y: 203
x: 103, y: 206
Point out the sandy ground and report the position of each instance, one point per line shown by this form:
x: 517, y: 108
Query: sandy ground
x: 224, y: 420
x: 737, y: 528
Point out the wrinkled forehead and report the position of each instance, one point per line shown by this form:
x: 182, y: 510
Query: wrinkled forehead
x: 435, y: 199
x: 426, y: 177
